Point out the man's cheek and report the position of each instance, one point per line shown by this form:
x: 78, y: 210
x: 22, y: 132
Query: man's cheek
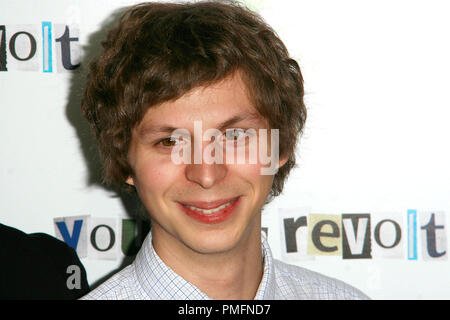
x: 157, y: 173
x: 250, y: 172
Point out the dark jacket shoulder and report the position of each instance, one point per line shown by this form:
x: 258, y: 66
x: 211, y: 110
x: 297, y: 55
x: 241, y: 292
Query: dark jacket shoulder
x: 39, y: 266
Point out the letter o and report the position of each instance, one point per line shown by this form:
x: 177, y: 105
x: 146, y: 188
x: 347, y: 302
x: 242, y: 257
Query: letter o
x: 112, y: 237
x: 12, y: 46
x: 398, y: 233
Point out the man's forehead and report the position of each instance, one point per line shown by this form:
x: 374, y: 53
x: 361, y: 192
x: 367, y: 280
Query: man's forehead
x: 218, y: 105
x: 158, y: 126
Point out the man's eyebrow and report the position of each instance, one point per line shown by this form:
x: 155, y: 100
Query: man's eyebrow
x: 153, y: 130
x: 238, y: 118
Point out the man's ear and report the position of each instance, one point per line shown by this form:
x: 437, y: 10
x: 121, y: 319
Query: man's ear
x: 282, y: 161
x: 130, y: 181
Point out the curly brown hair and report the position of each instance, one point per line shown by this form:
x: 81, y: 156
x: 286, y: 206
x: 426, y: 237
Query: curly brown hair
x: 159, y: 51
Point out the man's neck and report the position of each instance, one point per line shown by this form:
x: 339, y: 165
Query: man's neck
x: 231, y: 275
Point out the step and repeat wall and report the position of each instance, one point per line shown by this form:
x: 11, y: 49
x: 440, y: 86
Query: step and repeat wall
x: 369, y: 200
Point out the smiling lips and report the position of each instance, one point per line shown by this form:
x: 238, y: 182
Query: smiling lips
x: 210, y: 212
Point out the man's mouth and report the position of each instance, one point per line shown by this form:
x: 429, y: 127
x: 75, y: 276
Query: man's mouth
x: 210, y: 211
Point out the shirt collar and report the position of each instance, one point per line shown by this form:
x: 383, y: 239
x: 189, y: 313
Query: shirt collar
x: 266, y: 289
x: 159, y: 281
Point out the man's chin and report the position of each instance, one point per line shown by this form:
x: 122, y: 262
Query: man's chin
x: 213, y: 243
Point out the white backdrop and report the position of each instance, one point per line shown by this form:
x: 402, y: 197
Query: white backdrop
x: 376, y: 140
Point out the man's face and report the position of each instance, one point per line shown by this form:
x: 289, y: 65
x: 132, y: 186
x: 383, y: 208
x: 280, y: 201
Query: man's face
x: 208, y: 208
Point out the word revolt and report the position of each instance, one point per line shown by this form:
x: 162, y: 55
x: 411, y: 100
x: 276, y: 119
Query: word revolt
x: 32, y: 47
x: 303, y: 235
x: 364, y: 236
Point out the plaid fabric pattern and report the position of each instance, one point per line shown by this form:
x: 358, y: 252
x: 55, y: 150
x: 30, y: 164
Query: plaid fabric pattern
x: 148, y: 278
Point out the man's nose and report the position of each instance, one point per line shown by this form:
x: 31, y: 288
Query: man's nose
x: 206, y: 175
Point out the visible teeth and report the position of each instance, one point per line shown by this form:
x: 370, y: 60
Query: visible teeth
x: 209, y: 211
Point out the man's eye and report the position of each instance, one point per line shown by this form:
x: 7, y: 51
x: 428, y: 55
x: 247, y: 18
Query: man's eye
x: 169, y: 142
x: 234, y: 134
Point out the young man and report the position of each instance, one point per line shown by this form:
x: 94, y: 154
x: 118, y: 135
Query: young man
x: 172, y: 71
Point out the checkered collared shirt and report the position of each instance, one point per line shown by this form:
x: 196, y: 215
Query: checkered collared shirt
x: 149, y: 278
